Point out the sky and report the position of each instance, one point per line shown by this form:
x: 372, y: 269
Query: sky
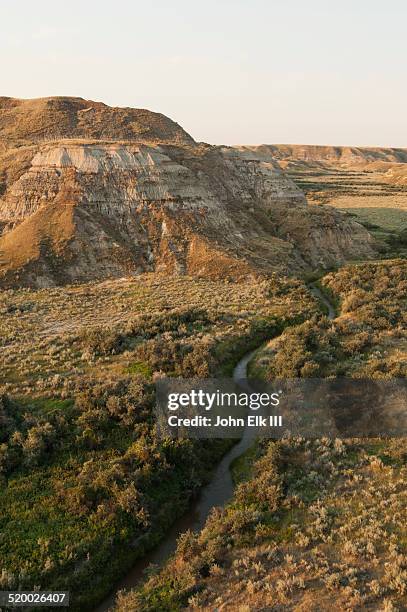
x: 228, y: 71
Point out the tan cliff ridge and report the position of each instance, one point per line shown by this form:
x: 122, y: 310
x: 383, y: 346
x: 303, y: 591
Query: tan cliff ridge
x: 90, y: 192
x: 333, y: 154
x: 380, y: 165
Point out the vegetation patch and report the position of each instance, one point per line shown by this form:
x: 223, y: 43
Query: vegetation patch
x: 303, y: 530
x: 86, y: 486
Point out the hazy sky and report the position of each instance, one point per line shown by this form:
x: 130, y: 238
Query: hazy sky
x: 229, y: 71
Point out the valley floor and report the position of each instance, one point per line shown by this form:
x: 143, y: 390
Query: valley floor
x: 82, y: 471
x: 314, y: 524
x: 375, y: 195
x: 86, y: 486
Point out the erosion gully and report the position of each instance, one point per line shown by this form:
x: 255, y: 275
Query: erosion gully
x: 215, y: 494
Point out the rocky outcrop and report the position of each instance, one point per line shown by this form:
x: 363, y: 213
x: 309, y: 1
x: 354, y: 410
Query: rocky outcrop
x: 54, y: 118
x: 77, y: 210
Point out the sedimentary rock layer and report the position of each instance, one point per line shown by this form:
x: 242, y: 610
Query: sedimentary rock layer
x: 77, y: 209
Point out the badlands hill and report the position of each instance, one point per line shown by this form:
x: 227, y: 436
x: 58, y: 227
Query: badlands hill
x: 345, y: 156
x: 387, y: 166
x: 89, y: 192
x: 368, y: 184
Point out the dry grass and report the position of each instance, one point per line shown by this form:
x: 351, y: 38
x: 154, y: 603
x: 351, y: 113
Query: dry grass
x: 41, y: 330
x: 336, y: 538
x: 367, y: 339
x: 344, y: 551
x: 388, y: 213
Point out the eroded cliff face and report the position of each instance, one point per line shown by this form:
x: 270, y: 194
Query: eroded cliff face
x: 76, y: 210
x: 89, y: 211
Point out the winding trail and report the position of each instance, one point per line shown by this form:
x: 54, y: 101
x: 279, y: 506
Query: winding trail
x: 316, y: 291
x: 216, y: 493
